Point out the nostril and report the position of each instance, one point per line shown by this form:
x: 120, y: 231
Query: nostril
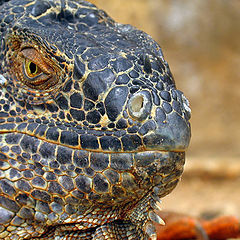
x: 140, y: 105
x: 137, y: 103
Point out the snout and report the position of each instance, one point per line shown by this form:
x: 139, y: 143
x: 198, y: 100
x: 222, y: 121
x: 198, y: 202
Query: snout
x: 165, y: 127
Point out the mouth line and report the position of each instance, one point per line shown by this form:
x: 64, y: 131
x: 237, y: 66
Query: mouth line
x: 141, y: 149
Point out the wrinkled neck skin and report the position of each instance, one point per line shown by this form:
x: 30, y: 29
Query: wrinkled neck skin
x: 93, y: 131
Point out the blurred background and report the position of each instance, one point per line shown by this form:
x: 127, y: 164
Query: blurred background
x: 201, y: 41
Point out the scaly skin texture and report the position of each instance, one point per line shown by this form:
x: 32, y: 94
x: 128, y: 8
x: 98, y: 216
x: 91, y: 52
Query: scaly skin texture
x: 92, y: 129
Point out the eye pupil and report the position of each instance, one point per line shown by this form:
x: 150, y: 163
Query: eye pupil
x: 32, y: 68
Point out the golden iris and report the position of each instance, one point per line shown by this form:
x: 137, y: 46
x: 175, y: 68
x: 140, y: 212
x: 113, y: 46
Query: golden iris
x: 32, y: 70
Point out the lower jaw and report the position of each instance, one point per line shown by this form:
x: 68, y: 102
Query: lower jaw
x: 160, y: 170
x: 81, y: 179
x: 99, y: 177
x: 137, y: 175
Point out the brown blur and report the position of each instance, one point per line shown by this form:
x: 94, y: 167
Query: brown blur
x: 201, y: 41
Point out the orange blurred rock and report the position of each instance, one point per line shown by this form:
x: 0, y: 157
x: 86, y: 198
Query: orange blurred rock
x: 179, y: 226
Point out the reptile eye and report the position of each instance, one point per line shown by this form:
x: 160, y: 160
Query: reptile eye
x: 35, y: 70
x: 31, y: 69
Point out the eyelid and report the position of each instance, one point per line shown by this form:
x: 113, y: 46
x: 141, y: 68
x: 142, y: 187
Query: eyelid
x: 33, y: 55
